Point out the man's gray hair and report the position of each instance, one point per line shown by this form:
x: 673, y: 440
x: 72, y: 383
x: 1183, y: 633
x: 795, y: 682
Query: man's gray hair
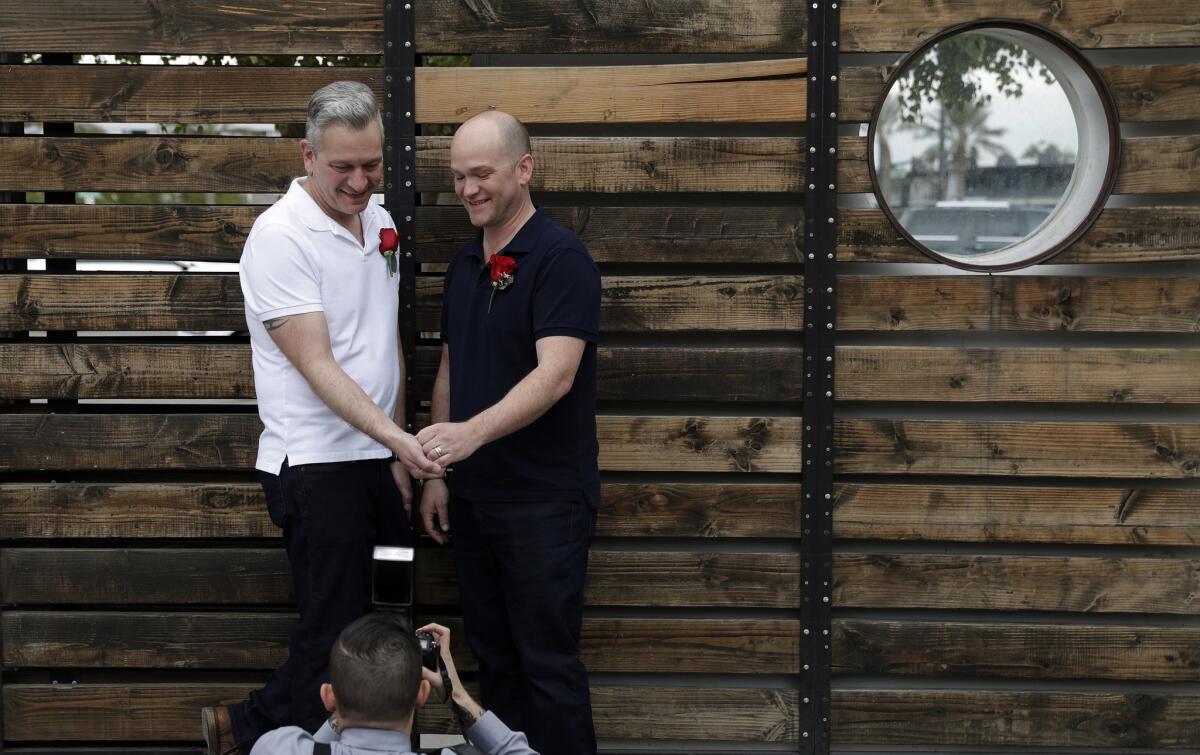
x: 348, y: 103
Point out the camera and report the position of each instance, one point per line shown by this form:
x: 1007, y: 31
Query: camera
x: 431, y: 651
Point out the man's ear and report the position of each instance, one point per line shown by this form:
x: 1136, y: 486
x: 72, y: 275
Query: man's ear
x: 309, y: 155
x: 423, y: 692
x: 525, y: 169
x: 327, y: 697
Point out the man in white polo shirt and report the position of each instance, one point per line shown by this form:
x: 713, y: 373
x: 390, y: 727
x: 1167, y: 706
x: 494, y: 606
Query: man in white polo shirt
x: 333, y: 459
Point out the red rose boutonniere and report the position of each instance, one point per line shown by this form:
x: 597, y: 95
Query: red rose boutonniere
x: 502, y: 275
x: 389, y: 242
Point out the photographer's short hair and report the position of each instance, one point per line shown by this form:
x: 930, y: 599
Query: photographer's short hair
x: 375, y: 669
x: 348, y: 103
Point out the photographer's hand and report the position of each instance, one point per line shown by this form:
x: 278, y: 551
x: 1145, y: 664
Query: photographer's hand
x: 460, y: 695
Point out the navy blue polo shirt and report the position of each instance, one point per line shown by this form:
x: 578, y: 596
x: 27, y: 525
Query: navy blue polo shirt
x: 555, y: 292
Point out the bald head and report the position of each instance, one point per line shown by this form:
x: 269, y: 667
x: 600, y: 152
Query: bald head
x: 498, y: 132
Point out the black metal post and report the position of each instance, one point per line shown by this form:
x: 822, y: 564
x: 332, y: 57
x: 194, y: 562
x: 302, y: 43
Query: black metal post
x: 400, y: 193
x: 820, y: 310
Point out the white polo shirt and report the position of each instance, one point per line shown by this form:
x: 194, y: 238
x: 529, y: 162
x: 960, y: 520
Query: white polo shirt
x: 297, y: 259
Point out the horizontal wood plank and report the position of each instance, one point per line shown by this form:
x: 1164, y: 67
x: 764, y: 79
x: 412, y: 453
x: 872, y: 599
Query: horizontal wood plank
x: 259, y: 576
x: 213, y: 301
x: 977, y: 513
x: 1021, y: 448
x: 977, y: 302
x: 238, y: 510
x: 899, y: 26
x: 114, y: 712
x: 1152, y: 164
x: 749, y: 92
x: 227, y: 442
x: 1016, y: 583
x: 134, y: 510
x: 753, y: 91
x: 1142, y: 93
x: 206, y: 370
x: 617, y: 26
x: 967, y: 513
x: 1016, y: 650
x: 168, y: 93
x: 1120, y: 234
x: 706, y: 235
x: 1087, y: 375
x: 690, y: 235
x: 268, y: 164
x: 661, y: 303
x: 642, y: 164
x: 673, y: 303
x: 157, y: 640
x: 1023, y: 719
x: 283, y: 27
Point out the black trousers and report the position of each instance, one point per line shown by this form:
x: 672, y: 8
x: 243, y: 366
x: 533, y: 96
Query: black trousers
x: 332, y: 516
x: 521, y: 569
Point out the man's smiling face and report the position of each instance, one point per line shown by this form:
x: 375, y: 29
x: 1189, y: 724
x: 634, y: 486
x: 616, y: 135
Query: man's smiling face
x: 346, y: 170
x: 488, y: 179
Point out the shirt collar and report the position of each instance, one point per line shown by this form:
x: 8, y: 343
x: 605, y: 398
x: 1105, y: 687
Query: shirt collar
x: 315, y: 218
x: 522, y: 243
x: 387, y: 740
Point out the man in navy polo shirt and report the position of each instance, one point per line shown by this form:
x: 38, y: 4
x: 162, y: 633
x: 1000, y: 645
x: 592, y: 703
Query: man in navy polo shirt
x: 514, y: 411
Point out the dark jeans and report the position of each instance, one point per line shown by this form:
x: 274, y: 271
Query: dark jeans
x: 332, y: 516
x: 521, y: 569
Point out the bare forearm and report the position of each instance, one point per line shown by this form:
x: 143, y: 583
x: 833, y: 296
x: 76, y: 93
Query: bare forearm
x: 348, y: 400
x: 524, y: 403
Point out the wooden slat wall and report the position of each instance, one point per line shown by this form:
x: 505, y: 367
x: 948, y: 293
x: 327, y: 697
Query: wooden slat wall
x: 1016, y: 510
x: 135, y: 553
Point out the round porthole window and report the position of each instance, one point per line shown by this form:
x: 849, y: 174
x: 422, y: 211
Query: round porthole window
x: 994, y: 146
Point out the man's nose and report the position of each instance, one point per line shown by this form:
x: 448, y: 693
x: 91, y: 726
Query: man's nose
x: 359, y: 180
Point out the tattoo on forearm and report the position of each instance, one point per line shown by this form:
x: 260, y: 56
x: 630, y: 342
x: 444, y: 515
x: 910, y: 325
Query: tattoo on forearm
x: 275, y: 324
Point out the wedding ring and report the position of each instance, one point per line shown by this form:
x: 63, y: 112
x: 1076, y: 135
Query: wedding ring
x: 437, y: 450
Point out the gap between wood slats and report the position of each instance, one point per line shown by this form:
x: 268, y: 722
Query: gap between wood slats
x: 225, y: 442
x: 751, y: 91
x: 653, y: 373
x: 258, y: 577
x: 685, y: 235
x: 1156, y: 164
x: 233, y: 510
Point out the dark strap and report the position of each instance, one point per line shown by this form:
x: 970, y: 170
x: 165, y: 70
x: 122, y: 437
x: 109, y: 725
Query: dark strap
x: 322, y: 748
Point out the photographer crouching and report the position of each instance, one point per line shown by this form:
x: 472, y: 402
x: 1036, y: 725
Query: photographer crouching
x: 377, y: 681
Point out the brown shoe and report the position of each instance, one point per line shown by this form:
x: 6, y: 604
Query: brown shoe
x: 218, y: 731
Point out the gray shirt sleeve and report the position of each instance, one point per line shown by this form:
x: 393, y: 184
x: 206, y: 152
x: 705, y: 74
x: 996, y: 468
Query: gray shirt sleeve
x: 491, y: 735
